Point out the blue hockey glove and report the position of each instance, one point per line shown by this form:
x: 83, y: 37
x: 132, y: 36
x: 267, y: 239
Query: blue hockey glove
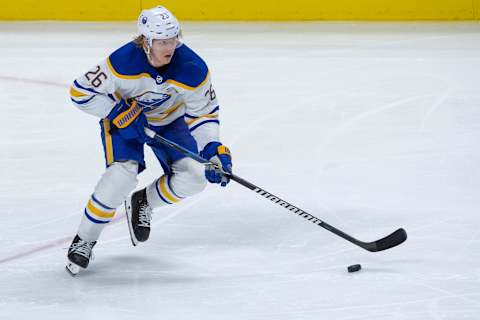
x: 129, y: 119
x: 217, y: 153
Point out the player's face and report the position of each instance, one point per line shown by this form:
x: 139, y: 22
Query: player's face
x: 162, y: 51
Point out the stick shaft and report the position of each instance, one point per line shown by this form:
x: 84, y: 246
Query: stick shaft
x: 387, y: 242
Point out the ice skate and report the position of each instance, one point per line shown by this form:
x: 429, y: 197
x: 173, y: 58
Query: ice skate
x: 79, y: 255
x: 139, y: 215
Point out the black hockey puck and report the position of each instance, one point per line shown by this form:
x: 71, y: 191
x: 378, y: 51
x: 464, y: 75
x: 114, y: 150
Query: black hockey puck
x: 354, y: 268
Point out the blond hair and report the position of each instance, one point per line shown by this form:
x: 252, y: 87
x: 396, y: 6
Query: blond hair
x: 139, y: 41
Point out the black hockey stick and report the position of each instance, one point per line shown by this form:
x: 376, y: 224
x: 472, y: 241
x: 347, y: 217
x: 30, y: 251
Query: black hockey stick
x: 390, y: 241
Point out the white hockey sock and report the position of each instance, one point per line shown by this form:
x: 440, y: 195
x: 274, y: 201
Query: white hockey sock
x: 160, y: 193
x: 187, y: 179
x: 113, y: 187
x: 95, y: 217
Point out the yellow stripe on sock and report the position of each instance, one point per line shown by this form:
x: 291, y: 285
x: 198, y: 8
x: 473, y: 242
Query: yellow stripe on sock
x: 98, y: 212
x: 163, y: 188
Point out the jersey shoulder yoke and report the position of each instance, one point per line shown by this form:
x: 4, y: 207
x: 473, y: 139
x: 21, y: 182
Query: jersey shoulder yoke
x: 189, y: 70
x: 129, y: 62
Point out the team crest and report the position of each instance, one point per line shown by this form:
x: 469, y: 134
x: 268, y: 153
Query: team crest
x: 159, y: 79
x: 152, y: 100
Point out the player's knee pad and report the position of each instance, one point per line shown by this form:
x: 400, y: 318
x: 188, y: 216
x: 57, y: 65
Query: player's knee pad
x: 188, y: 177
x: 116, y: 183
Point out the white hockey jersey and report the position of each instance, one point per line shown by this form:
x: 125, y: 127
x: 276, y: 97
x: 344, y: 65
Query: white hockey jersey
x: 180, y: 89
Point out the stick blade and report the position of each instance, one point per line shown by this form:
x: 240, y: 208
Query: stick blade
x: 390, y: 241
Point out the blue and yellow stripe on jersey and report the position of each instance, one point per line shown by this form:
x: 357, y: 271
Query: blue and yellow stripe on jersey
x: 97, y: 212
x: 194, y: 122
x: 81, y: 95
x: 74, y: 93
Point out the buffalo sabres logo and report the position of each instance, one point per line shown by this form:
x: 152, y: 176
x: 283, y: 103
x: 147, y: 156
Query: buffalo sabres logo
x: 152, y: 100
x: 159, y: 79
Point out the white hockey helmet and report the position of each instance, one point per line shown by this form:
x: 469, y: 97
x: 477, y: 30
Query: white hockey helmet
x: 157, y: 23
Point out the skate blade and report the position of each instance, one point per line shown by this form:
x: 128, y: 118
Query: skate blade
x: 128, y: 214
x: 72, y: 268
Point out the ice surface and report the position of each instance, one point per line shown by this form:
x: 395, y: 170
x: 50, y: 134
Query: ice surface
x: 367, y: 126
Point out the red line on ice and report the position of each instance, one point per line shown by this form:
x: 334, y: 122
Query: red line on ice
x: 46, y: 83
x: 52, y: 244
x: 61, y: 241
x: 49, y: 245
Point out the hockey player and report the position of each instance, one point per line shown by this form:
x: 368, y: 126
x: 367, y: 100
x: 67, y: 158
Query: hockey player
x: 159, y: 82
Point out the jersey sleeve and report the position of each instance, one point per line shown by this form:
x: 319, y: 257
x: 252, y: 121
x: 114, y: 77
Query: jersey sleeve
x: 94, y: 91
x: 202, y: 113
